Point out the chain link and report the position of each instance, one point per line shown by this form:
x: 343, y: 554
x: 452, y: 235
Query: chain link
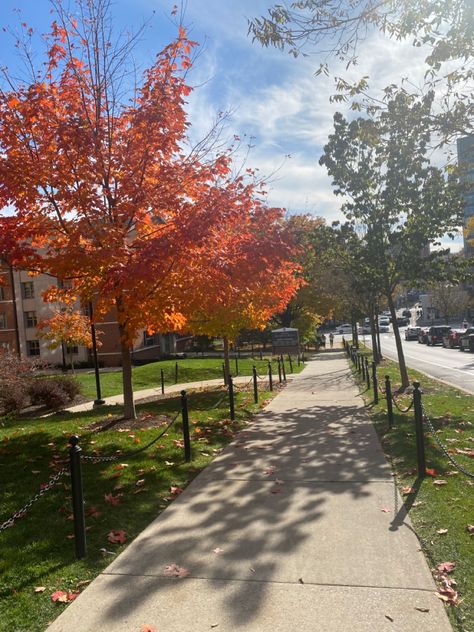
x: 403, y: 410
x: 21, y: 512
x: 120, y: 457
x: 442, y: 447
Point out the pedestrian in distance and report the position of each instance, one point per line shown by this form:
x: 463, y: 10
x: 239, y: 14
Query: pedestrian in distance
x: 331, y: 340
x: 323, y: 341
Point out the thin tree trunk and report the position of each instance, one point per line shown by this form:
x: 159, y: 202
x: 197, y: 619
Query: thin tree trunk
x: 398, y: 341
x: 373, y: 333
x: 128, y: 402
x: 226, y: 359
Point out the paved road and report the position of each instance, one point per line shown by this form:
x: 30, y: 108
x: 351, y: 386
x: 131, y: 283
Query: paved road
x: 445, y: 364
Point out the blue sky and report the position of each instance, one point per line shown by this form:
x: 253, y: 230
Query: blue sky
x: 273, y: 99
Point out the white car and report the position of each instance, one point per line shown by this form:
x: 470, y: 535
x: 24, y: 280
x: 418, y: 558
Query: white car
x: 344, y: 329
x: 384, y: 328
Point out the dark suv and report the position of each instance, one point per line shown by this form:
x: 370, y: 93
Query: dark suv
x: 436, y: 333
x: 466, y: 341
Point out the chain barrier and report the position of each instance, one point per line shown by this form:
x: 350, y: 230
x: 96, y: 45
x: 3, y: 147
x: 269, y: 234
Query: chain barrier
x: 128, y: 455
x: 442, y: 447
x: 21, y: 512
x: 403, y: 410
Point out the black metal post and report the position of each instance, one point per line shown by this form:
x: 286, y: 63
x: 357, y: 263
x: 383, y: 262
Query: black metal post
x: 231, y: 398
x: 185, y: 416
x: 77, y: 497
x: 362, y: 366
x: 162, y: 382
x: 367, y: 374
x: 176, y: 373
x: 255, y: 384
x: 98, y: 400
x: 291, y: 363
x: 283, y: 370
x: 375, y: 383
x: 270, y: 376
x: 236, y: 365
x: 224, y: 374
x: 388, y: 396
x: 298, y: 358
x: 279, y: 370
x: 420, y: 440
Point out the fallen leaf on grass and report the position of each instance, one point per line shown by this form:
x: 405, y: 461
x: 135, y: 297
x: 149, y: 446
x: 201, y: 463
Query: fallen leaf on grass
x: 176, y: 490
x: 407, y: 490
x: 40, y: 589
x: 217, y: 550
x: 470, y: 528
x: 442, y: 531
x: 431, y: 472
x: 62, y: 596
x: 440, y: 482
x: 173, y: 570
x: 117, y: 537
x: 113, y: 500
x: 140, y: 482
x: 169, y: 463
x: 446, y: 567
x: 417, y: 503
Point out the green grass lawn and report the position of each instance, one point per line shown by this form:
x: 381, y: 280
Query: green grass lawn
x: 189, y: 370
x: 38, y: 551
x: 440, y: 512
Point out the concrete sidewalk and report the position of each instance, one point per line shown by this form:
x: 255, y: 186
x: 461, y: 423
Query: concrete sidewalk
x: 283, y: 532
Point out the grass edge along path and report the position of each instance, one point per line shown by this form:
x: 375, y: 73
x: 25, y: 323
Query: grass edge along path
x: 440, y: 506
x: 189, y: 370
x: 39, y: 574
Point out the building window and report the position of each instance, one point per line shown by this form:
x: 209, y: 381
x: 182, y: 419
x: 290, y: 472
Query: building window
x: 33, y: 347
x: 148, y: 340
x: 3, y: 321
x: 73, y: 350
x: 27, y: 289
x: 30, y: 319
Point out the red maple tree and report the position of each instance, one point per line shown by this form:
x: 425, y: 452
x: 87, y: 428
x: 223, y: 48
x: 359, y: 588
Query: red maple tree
x: 105, y: 196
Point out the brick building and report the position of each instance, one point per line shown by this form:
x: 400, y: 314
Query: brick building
x: 22, y: 307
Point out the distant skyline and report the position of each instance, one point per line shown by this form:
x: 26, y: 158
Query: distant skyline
x: 274, y: 101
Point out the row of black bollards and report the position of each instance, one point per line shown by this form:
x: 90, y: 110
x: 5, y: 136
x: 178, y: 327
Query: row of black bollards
x: 363, y: 368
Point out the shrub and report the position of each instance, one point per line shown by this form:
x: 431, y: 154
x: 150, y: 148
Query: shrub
x: 47, y: 392
x: 13, y: 396
x: 53, y: 392
x: 69, y: 385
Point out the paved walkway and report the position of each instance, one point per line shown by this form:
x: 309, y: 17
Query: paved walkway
x: 283, y: 532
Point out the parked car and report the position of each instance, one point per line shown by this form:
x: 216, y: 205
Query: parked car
x: 412, y: 333
x: 384, y: 327
x: 384, y: 321
x: 466, y: 341
x: 451, y: 340
x: 423, y: 335
x: 365, y: 329
x: 436, y: 333
x: 346, y: 328
x: 402, y: 321
x: 406, y: 313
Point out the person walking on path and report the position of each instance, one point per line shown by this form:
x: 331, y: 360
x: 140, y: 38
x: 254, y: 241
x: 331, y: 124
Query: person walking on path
x: 323, y: 341
x: 331, y: 340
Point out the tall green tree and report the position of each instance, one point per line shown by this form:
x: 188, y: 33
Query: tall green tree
x: 398, y: 201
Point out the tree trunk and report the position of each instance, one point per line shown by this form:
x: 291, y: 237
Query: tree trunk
x: 373, y: 333
x: 128, y: 402
x: 398, y: 342
x: 226, y: 359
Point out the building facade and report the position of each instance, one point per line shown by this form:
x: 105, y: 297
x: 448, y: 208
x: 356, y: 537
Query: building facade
x: 465, y: 150
x: 22, y: 307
